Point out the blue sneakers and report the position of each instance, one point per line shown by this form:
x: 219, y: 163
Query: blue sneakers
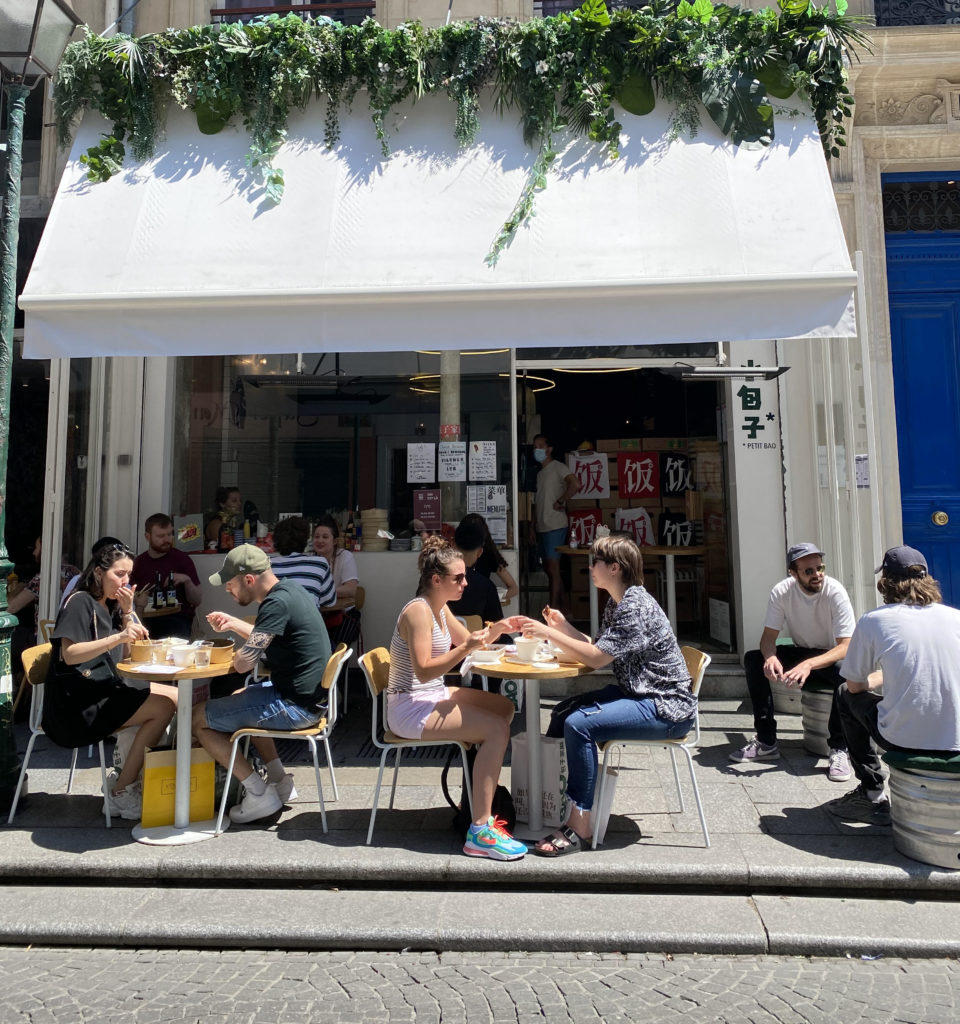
x: 494, y: 841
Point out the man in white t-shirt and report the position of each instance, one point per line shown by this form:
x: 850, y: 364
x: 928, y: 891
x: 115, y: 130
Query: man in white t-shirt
x: 816, y: 612
x: 914, y: 641
x: 556, y: 485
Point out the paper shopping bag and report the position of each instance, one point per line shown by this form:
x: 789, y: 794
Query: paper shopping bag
x: 601, y: 817
x: 554, y: 804
x: 160, y: 782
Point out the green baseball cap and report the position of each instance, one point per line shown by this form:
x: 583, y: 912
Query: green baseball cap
x: 247, y: 558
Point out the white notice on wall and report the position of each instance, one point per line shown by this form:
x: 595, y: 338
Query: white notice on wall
x: 483, y: 460
x: 498, y: 528
x: 452, y: 460
x: 720, y: 620
x: 495, y: 499
x: 421, y: 459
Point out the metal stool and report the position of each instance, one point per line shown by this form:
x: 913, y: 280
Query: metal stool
x: 815, y: 707
x: 925, y: 807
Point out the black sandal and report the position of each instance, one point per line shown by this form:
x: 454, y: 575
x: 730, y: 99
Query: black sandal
x: 574, y: 844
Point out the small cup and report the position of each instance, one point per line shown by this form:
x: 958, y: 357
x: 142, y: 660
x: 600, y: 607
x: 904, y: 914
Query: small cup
x: 201, y: 657
x: 527, y: 647
x: 183, y: 656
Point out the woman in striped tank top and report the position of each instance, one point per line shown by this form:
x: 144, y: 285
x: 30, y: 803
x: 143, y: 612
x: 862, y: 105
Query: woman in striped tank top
x: 428, y: 642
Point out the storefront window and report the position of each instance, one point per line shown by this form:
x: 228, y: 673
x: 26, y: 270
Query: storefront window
x: 320, y: 433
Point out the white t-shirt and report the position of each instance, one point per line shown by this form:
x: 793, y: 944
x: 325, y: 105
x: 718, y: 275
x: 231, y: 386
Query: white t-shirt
x: 918, y: 648
x: 551, y: 483
x: 812, y: 620
x: 344, y: 567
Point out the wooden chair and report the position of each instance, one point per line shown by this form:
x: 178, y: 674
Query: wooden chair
x: 36, y: 661
x: 376, y: 669
x: 46, y: 629
x: 321, y: 731
x: 697, y: 663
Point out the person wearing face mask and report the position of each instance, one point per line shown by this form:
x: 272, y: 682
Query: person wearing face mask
x: 82, y: 703
x: 556, y: 485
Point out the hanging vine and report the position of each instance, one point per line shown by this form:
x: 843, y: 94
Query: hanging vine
x: 563, y: 73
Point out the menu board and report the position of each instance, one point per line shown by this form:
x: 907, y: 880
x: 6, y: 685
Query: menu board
x: 421, y: 462
x: 483, y: 460
x: 426, y: 507
x: 490, y: 500
x: 452, y: 460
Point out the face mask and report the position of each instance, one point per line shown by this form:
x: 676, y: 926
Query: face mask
x: 540, y: 454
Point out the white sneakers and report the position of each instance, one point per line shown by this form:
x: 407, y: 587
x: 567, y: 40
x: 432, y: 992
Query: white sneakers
x: 838, y: 766
x: 128, y: 804
x: 286, y: 790
x: 253, y: 808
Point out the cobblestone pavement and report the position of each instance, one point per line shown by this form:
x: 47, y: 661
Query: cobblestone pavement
x: 155, y: 986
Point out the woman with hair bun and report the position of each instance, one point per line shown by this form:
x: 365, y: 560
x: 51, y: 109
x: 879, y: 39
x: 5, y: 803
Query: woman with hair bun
x: 651, y: 698
x: 427, y: 643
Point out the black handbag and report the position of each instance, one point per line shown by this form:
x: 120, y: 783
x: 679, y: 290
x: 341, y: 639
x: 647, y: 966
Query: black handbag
x: 502, y: 800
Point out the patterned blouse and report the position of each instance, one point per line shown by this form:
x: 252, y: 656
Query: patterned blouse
x: 646, y: 657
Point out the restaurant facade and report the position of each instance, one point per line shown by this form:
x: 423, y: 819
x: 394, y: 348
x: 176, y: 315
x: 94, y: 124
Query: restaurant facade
x: 665, y: 360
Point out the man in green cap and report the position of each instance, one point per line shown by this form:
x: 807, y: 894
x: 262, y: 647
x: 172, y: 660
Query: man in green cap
x: 290, y: 634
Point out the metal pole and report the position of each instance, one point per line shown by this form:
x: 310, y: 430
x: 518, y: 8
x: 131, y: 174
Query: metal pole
x: 9, y: 238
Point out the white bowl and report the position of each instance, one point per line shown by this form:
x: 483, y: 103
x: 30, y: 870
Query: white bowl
x: 183, y: 656
x: 482, y: 656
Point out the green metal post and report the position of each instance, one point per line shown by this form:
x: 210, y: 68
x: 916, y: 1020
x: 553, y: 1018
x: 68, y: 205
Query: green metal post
x: 16, y: 96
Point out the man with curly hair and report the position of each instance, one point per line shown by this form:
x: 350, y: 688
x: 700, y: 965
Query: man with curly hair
x: 914, y: 642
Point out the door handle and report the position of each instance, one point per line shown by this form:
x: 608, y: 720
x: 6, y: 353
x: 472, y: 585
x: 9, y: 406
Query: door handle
x: 940, y: 518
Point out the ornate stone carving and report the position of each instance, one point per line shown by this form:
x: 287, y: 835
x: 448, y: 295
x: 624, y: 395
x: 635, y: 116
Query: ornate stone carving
x: 926, y: 108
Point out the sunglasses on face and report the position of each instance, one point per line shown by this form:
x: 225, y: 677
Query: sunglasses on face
x: 459, y: 578
x: 817, y: 571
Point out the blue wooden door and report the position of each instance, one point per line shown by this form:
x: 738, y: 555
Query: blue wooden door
x: 923, y: 273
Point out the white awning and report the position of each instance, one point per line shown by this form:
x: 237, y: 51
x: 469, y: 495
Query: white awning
x: 689, y: 241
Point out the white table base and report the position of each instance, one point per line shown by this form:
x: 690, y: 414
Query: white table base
x: 183, y: 830
x: 170, y: 835
x: 534, y: 827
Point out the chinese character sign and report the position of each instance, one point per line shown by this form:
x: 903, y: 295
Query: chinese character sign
x: 675, y: 530
x: 636, y: 522
x: 638, y: 475
x: 583, y: 525
x: 674, y: 474
x: 592, y: 474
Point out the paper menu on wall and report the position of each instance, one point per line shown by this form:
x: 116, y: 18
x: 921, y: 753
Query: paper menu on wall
x: 421, y: 459
x: 452, y: 460
x: 483, y: 460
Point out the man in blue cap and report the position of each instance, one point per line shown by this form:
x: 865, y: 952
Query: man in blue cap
x: 914, y: 641
x: 816, y: 612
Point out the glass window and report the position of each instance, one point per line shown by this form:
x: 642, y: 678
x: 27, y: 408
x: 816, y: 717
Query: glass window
x: 323, y: 433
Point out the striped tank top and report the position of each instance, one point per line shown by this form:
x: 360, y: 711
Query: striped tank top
x: 402, y: 677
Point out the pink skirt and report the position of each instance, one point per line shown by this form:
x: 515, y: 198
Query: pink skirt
x: 407, y: 713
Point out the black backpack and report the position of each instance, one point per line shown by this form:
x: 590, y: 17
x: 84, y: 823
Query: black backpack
x: 502, y: 800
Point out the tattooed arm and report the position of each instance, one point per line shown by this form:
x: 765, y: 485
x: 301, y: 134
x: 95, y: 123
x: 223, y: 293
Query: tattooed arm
x: 252, y: 651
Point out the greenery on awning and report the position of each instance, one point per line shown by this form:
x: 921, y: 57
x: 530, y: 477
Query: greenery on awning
x: 564, y: 73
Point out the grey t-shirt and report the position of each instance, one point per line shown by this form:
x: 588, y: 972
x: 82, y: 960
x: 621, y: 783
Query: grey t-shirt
x: 918, y: 648
x: 646, y: 657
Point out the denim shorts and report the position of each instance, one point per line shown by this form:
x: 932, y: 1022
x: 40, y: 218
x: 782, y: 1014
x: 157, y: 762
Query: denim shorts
x: 548, y: 542
x: 258, y: 707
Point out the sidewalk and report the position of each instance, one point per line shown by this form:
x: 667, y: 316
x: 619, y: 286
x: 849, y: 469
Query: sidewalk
x: 781, y: 874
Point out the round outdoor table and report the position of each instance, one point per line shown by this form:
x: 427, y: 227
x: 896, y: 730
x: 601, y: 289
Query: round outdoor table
x: 531, y: 674
x: 183, y: 830
x: 159, y: 613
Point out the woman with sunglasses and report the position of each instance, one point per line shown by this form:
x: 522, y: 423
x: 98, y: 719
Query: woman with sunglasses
x: 85, y: 700
x: 651, y: 697
x: 427, y: 643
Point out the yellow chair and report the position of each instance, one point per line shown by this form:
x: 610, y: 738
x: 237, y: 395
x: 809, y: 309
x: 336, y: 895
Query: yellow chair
x: 46, y: 629
x: 376, y: 669
x: 36, y: 662
x: 320, y: 731
x: 697, y: 663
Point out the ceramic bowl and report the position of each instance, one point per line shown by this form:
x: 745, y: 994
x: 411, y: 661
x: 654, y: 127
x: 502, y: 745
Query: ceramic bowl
x: 484, y: 656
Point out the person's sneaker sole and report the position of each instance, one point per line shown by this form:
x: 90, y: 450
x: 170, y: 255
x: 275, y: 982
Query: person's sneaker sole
x: 493, y: 854
x: 771, y: 755
x: 838, y: 777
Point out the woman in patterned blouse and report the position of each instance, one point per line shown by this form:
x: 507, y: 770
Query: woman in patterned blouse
x: 651, y: 696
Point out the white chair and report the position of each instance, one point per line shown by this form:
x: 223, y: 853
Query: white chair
x: 321, y: 731
x: 36, y: 661
x: 376, y: 669
x: 697, y: 663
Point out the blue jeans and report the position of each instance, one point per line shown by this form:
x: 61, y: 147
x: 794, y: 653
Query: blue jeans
x: 259, y: 706
x: 609, y: 716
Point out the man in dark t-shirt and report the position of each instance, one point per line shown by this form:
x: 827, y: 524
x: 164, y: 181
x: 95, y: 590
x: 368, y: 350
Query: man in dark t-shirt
x: 163, y: 560
x: 290, y: 633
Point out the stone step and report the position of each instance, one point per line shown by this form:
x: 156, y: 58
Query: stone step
x: 324, y: 917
